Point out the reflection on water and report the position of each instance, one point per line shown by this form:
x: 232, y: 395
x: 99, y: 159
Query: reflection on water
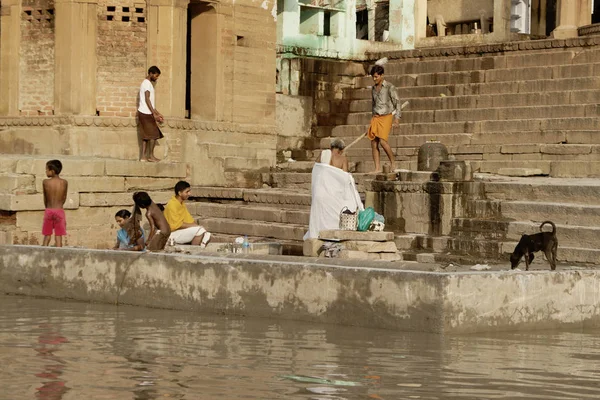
x: 64, y: 350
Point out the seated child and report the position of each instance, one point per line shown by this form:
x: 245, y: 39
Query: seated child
x: 127, y: 232
x: 159, y: 227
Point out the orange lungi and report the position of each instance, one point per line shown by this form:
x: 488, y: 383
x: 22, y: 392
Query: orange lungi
x: 380, y: 127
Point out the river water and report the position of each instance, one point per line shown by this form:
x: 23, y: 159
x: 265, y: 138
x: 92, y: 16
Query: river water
x: 68, y: 350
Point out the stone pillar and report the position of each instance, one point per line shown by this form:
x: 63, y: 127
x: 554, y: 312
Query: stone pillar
x: 421, y: 19
x: 570, y: 15
x: 402, y: 23
x: 10, y: 43
x: 371, y: 9
x: 75, y: 64
x: 501, y: 20
x: 167, y: 37
x: 288, y: 19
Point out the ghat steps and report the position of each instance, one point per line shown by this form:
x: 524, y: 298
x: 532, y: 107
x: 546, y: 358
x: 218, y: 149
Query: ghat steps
x: 484, y: 108
x: 513, y: 207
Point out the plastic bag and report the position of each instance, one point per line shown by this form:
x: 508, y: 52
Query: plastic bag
x: 365, y: 218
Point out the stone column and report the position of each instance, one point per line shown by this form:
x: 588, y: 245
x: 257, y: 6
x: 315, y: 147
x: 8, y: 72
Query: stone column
x: 288, y: 19
x: 402, y: 23
x: 570, y: 15
x: 501, y: 20
x: 421, y: 19
x: 10, y: 43
x: 167, y: 37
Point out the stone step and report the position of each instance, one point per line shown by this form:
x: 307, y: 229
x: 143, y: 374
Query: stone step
x: 482, y: 251
x: 488, y: 100
x: 487, y: 88
x: 496, y: 230
x: 454, y: 77
x: 479, y: 127
x: 557, y: 212
x: 289, y: 247
x: 265, y: 196
x: 577, y: 191
x: 519, y: 59
x: 303, y: 180
x: 255, y: 228
x: 304, y: 166
x: 485, y: 114
x: 250, y: 212
x: 77, y: 166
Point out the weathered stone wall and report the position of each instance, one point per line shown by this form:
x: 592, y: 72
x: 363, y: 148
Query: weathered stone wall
x: 371, y: 295
x: 121, y: 49
x: 36, y: 83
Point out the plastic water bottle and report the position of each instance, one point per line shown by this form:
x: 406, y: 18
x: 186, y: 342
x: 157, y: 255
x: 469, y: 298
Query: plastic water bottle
x: 246, y: 245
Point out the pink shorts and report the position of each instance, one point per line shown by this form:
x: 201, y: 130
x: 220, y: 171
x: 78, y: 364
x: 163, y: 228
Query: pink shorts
x: 54, y: 220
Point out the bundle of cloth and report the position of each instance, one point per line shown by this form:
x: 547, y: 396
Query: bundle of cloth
x: 332, y: 190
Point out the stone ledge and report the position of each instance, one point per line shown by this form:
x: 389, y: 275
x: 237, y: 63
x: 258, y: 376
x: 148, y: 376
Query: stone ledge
x: 339, y: 235
x: 347, y: 293
x: 33, y: 202
x: 124, y: 122
x: 505, y: 47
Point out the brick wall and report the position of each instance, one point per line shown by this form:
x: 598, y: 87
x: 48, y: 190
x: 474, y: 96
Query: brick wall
x: 121, y: 49
x: 36, y: 83
x: 249, y: 42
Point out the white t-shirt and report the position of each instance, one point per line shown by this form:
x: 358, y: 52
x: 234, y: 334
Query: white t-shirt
x: 146, y: 87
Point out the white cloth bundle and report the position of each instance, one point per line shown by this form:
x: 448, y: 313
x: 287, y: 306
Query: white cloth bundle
x: 332, y: 190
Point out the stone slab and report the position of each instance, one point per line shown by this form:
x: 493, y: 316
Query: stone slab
x: 520, y: 171
x: 140, y: 169
x: 371, y: 246
x: 89, y: 183
x: 118, y: 199
x: 338, y: 235
x: 33, y: 202
x: 71, y: 166
x: 310, y: 247
x: 325, y: 291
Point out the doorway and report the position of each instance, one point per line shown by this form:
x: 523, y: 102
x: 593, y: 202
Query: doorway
x: 204, y: 77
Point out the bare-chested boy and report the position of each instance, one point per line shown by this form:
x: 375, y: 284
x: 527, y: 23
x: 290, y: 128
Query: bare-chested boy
x: 159, y: 227
x: 55, y: 195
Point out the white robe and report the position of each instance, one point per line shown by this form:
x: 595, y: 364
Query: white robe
x: 332, y: 190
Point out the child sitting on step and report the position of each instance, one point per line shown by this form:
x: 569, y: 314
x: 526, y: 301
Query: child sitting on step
x: 131, y: 236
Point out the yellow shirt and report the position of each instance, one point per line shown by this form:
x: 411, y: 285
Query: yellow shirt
x: 177, y: 213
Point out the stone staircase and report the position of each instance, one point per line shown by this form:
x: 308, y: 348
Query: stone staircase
x: 527, y: 109
x: 513, y: 207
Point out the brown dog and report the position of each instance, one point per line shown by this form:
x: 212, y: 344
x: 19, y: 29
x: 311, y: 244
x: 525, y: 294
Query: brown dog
x: 529, y: 244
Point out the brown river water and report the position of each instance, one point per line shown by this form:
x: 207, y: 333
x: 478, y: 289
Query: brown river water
x: 55, y: 350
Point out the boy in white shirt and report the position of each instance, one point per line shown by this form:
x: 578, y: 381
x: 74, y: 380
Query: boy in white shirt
x: 148, y: 116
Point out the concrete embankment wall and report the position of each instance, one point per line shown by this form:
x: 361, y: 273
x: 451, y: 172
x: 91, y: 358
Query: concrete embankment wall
x: 378, y: 296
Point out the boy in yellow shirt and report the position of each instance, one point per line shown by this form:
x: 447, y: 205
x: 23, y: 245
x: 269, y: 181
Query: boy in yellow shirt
x: 184, y: 230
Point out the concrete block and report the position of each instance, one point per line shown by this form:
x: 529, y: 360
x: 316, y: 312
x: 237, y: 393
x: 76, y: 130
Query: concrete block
x: 339, y: 235
x: 31, y: 202
x: 311, y: 247
x: 371, y: 246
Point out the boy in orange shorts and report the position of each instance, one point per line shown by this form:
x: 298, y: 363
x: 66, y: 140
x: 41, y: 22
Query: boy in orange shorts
x: 55, y: 195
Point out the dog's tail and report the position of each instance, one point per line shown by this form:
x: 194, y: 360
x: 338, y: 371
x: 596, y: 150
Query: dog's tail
x: 550, y: 223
